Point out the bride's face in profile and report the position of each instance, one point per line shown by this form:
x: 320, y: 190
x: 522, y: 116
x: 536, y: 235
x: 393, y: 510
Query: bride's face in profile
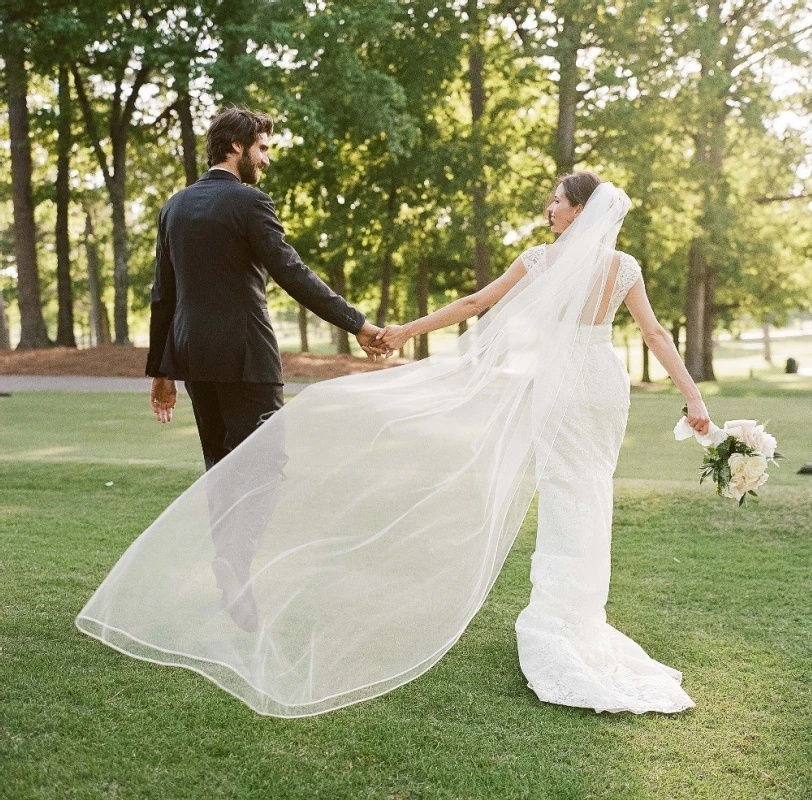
x: 560, y: 213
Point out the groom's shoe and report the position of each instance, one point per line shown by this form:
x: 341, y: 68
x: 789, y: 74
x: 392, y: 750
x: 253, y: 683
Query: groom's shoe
x: 237, y: 599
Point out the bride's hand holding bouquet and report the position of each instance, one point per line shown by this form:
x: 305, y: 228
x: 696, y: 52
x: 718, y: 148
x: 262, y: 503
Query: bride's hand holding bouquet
x: 736, y: 455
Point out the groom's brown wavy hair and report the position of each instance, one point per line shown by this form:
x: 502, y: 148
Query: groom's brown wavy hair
x: 234, y: 125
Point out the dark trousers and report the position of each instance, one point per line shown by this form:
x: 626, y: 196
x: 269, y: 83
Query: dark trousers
x: 228, y: 413
x: 241, y: 505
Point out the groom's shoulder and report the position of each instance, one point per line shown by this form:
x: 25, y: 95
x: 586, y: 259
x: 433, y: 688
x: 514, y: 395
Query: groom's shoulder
x: 235, y: 191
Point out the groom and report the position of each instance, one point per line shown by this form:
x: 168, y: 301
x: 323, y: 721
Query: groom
x: 219, y: 241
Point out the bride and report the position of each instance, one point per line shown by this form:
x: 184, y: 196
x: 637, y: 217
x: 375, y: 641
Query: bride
x: 364, y: 523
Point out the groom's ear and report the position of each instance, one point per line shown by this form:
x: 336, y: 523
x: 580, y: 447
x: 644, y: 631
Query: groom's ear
x: 236, y: 147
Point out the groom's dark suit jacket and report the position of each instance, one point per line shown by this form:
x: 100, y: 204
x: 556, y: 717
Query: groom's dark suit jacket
x: 219, y: 241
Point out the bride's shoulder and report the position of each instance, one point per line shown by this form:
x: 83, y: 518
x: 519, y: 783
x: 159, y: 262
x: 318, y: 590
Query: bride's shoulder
x: 627, y: 261
x: 628, y: 271
x: 533, y: 257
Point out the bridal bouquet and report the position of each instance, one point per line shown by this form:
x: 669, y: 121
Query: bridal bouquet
x: 736, y: 456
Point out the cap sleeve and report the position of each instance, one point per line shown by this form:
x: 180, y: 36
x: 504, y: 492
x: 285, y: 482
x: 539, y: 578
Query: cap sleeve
x: 534, y: 259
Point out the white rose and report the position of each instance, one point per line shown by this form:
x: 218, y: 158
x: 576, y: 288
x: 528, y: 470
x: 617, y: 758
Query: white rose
x: 739, y: 427
x: 732, y: 491
x: 738, y: 464
x: 752, y: 485
x: 768, y: 445
x: 755, y: 467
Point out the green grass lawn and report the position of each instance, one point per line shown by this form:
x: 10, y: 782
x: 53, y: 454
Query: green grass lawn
x: 718, y: 592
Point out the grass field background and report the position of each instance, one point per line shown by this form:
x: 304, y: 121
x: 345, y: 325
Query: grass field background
x: 718, y: 592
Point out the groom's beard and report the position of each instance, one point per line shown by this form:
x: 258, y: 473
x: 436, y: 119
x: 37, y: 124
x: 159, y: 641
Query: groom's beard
x: 249, y: 170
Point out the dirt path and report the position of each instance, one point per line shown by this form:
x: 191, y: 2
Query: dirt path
x: 128, y: 362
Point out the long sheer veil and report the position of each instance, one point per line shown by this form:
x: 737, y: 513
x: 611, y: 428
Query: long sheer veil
x: 364, y: 524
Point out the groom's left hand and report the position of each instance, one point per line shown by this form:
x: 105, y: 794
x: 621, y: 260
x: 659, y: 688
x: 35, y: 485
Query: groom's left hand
x: 366, y: 338
x: 162, y: 398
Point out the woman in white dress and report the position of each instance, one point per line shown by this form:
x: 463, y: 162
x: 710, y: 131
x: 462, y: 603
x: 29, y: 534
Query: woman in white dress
x: 402, y: 493
x: 567, y: 650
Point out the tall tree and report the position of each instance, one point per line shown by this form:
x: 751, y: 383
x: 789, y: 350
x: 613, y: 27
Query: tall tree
x: 64, y: 335
x: 99, y: 321
x: 477, y: 99
x: 568, y: 46
x: 735, y: 46
x: 15, y: 36
x: 125, y: 57
x: 5, y: 337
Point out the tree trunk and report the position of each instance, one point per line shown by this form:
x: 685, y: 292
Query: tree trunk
x: 5, y: 334
x: 99, y: 322
x: 304, y: 346
x: 422, y: 341
x: 187, y: 137
x: 713, y: 93
x: 482, y: 260
x: 64, y: 286
x: 567, y: 46
x: 768, y: 351
x: 676, y: 328
x: 386, y: 271
x: 339, y: 283
x: 115, y: 181
x: 646, y: 375
x: 709, y: 325
x: 120, y: 269
x: 695, y: 311
x: 32, y: 324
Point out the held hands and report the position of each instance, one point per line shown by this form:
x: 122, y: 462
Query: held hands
x: 393, y: 337
x: 162, y: 398
x: 366, y: 338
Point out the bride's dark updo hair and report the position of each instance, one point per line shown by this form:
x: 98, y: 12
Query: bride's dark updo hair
x: 578, y: 187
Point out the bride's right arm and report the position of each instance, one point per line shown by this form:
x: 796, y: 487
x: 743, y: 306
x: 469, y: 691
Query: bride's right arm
x: 660, y: 343
x: 395, y: 336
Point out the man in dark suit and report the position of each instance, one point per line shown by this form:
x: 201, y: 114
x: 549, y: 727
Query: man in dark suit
x: 219, y: 241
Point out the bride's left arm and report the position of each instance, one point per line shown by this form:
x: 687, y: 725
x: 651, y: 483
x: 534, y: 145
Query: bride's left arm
x: 659, y: 341
x: 395, y: 336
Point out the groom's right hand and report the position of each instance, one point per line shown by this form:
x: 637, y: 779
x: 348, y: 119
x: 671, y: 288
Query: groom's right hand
x: 366, y: 338
x: 162, y: 398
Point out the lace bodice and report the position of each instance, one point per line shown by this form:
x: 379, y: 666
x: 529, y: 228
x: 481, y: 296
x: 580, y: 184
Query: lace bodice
x: 535, y: 262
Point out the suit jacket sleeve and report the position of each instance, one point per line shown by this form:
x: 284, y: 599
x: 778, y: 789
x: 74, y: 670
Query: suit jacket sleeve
x: 283, y: 265
x: 162, y: 304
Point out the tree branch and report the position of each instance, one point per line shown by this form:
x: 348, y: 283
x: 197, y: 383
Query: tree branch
x: 129, y: 107
x: 115, y: 112
x: 749, y: 60
x: 762, y: 200
x: 90, y: 125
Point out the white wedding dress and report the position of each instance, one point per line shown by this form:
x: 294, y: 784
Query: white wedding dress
x: 567, y: 650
